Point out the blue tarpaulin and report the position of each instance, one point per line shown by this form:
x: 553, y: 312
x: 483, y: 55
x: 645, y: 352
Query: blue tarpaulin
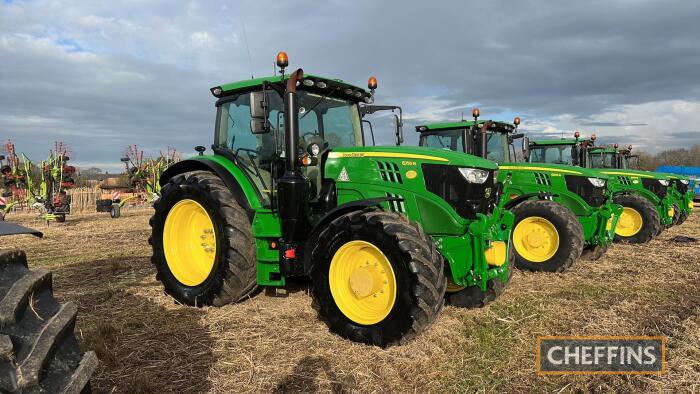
x: 680, y: 170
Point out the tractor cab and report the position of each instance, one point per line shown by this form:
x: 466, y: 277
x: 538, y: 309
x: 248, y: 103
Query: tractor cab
x: 488, y: 139
x: 250, y: 126
x: 562, y: 151
x: 605, y: 157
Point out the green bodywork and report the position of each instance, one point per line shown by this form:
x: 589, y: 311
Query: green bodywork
x: 621, y: 179
x: 598, y: 222
x: 361, y: 173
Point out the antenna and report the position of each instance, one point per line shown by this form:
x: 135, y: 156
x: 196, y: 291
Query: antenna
x: 247, y: 48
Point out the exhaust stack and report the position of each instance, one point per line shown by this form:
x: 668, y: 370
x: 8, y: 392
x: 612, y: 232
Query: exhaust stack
x: 292, y: 187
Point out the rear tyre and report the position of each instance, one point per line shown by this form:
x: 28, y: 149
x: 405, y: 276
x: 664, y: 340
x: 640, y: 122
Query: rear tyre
x: 38, y: 350
x: 682, y: 217
x: 377, y: 278
x: 639, y: 221
x: 115, y: 212
x: 202, y: 240
x: 546, y: 237
x: 473, y: 297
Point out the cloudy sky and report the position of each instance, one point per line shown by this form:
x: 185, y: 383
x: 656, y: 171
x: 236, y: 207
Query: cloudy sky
x: 102, y: 75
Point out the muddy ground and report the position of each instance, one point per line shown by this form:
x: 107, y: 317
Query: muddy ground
x: 147, y: 343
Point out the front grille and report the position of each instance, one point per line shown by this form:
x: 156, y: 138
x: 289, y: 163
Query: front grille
x: 682, y: 187
x: 654, y: 186
x: 389, y: 171
x: 624, y: 180
x: 594, y: 196
x: 466, y: 198
x: 542, y: 179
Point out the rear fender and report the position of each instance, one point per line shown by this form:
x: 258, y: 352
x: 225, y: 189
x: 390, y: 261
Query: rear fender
x: 242, y: 189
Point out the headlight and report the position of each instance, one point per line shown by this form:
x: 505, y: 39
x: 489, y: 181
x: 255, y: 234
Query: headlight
x: 313, y: 149
x: 663, y: 182
x: 474, y: 175
x: 597, y: 182
x: 685, y: 181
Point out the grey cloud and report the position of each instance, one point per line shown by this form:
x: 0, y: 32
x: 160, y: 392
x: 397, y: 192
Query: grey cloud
x: 612, y: 124
x: 138, y: 72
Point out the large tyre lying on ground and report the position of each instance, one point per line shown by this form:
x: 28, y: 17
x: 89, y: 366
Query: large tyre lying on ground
x: 377, y: 278
x: 547, y: 236
x: 38, y: 350
x: 473, y: 297
x: 202, y: 242
x: 639, y: 221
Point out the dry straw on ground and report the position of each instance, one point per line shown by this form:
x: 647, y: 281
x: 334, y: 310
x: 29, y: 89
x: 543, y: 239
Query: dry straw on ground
x: 147, y: 343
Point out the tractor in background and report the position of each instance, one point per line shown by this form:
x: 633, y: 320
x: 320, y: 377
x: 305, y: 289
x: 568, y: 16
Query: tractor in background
x: 291, y: 190
x: 680, y: 189
x: 646, y: 196
x: 561, y: 212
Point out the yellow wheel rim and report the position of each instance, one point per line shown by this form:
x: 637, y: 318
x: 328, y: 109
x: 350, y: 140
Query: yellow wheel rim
x: 362, y: 282
x: 536, y: 239
x: 189, y: 242
x: 630, y: 222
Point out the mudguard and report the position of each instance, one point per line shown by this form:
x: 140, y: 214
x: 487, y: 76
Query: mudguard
x: 335, y: 213
x: 512, y: 203
x: 202, y: 164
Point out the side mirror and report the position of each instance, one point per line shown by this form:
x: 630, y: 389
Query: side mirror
x: 258, y: 112
x: 526, y: 148
x: 258, y: 104
x: 259, y: 126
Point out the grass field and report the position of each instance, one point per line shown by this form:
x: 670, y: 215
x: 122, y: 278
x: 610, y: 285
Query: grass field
x: 147, y: 343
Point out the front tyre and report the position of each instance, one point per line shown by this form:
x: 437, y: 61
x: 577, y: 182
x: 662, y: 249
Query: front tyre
x: 547, y: 236
x: 202, y: 241
x: 377, y: 278
x: 639, y: 221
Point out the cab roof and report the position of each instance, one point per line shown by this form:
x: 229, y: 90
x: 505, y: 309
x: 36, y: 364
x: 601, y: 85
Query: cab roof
x: 602, y: 149
x: 248, y: 84
x: 461, y: 125
x: 563, y: 141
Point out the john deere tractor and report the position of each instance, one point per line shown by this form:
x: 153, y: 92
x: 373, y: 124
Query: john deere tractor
x: 645, y: 196
x: 561, y: 212
x: 289, y: 190
x: 623, y: 159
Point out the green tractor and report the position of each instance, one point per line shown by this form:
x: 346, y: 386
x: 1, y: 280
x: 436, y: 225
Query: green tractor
x: 291, y: 191
x: 623, y: 159
x: 645, y: 196
x: 561, y: 212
